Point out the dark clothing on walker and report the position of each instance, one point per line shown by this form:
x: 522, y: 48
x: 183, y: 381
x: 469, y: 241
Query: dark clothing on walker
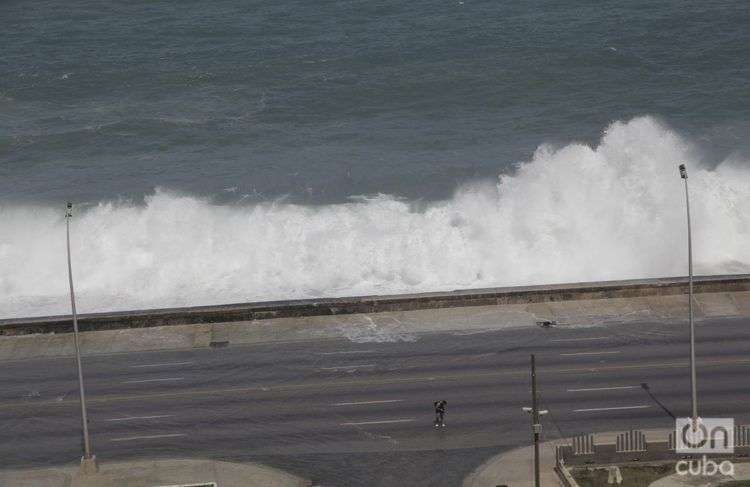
x: 440, y: 412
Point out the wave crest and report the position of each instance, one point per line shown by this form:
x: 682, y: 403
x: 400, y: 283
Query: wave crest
x: 575, y: 213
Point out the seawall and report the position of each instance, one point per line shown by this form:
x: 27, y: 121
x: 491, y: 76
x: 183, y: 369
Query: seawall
x: 244, y: 312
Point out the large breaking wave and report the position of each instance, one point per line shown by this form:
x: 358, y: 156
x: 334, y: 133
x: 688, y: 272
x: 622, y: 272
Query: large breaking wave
x: 575, y: 213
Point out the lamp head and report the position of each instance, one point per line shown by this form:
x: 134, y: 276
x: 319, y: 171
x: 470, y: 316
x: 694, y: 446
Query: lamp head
x: 683, y: 171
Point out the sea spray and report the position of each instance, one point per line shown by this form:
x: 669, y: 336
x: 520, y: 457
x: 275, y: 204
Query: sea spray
x: 573, y: 213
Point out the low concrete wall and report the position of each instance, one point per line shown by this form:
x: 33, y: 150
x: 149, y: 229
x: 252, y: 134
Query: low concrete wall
x: 377, y: 304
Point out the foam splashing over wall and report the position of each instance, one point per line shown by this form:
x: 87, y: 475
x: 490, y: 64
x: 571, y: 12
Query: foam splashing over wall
x: 575, y: 213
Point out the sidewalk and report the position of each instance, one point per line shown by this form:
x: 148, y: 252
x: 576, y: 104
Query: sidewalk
x: 516, y: 468
x: 154, y: 474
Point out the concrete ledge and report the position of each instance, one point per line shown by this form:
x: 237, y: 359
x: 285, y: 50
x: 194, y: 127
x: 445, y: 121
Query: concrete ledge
x: 376, y: 304
x: 387, y: 326
x: 180, y: 337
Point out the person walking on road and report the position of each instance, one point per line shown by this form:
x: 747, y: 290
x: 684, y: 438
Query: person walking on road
x: 440, y: 413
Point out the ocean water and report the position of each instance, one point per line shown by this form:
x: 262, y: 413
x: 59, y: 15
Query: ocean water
x: 228, y: 151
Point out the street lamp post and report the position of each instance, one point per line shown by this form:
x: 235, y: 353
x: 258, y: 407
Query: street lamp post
x: 88, y: 462
x: 684, y: 176
x: 536, y: 425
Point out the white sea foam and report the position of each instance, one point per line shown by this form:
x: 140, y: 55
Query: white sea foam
x: 571, y: 214
x: 384, y: 331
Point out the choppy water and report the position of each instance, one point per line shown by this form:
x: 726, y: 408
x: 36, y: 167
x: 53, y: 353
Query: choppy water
x: 213, y: 148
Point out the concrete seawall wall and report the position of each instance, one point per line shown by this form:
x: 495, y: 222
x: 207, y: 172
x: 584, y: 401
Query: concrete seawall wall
x: 377, y: 304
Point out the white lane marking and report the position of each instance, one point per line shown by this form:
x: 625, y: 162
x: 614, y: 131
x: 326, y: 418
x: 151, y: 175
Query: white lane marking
x: 152, y: 380
x: 604, y: 388
x: 385, y: 421
x: 133, y: 418
x: 589, y: 353
x: 610, y: 409
x: 346, y: 352
x: 348, y: 367
x: 579, y: 339
x: 385, y: 401
x: 150, y: 437
x: 167, y: 364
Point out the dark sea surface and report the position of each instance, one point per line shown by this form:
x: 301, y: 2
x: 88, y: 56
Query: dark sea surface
x: 318, y: 101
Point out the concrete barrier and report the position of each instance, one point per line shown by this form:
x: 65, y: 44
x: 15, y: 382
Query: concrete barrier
x: 527, y: 295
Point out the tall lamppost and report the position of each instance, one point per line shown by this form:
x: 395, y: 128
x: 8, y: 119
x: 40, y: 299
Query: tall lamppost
x: 684, y: 176
x: 88, y: 462
x: 536, y: 425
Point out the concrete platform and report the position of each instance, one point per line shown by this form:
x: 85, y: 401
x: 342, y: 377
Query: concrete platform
x: 155, y: 474
x: 374, y: 327
x: 519, y: 295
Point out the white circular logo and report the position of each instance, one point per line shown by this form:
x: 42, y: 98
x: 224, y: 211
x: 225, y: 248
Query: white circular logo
x: 694, y: 438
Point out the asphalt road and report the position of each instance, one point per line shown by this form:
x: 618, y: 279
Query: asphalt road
x: 344, y: 413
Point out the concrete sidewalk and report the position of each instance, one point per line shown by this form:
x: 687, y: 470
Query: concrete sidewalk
x: 155, y: 474
x: 516, y: 468
x: 376, y: 326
